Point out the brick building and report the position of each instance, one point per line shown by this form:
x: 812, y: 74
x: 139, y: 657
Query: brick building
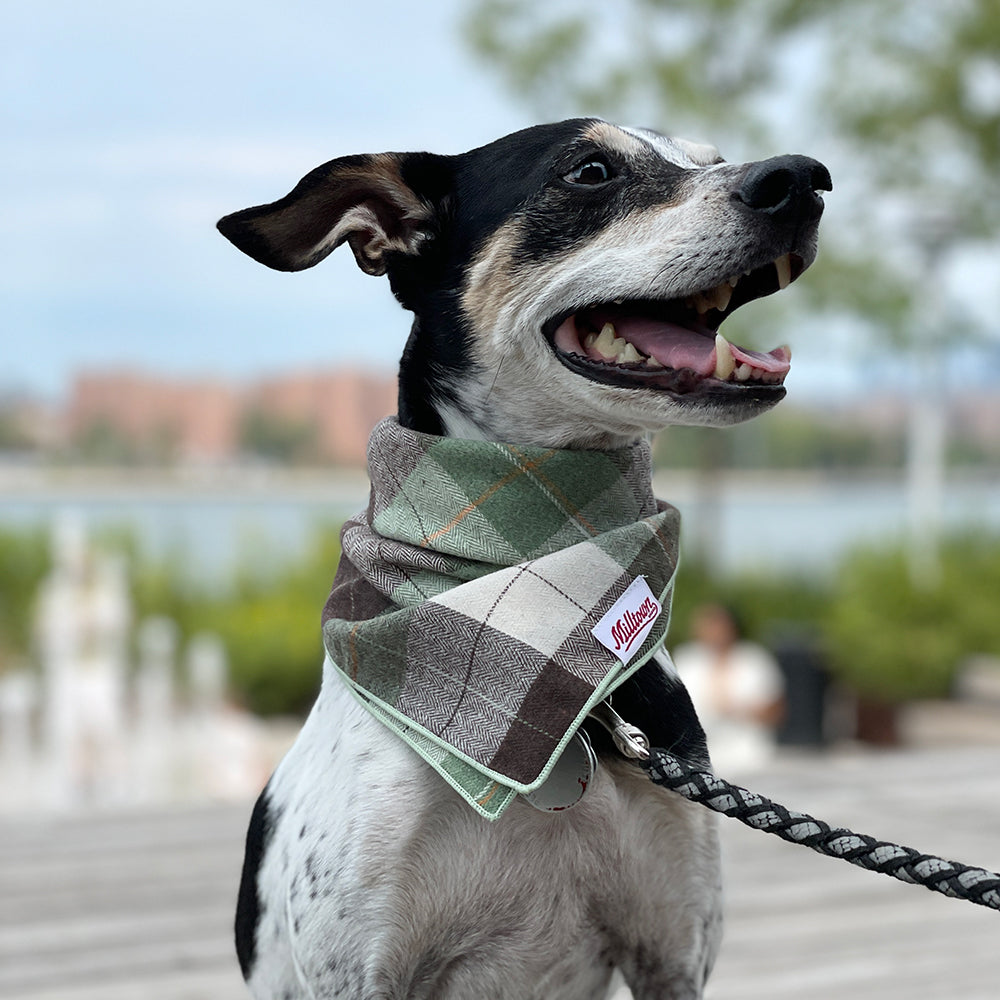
x: 205, y: 420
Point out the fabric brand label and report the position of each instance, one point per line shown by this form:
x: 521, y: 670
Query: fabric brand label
x: 629, y: 620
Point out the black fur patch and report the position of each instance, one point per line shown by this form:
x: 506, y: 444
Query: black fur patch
x: 659, y: 704
x: 475, y: 193
x: 563, y: 216
x: 248, y: 906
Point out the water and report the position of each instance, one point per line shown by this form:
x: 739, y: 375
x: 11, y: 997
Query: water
x: 208, y: 525
x: 778, y: 521
x: 803, y: 523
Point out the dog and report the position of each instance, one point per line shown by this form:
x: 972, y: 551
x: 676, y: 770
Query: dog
x: 567, y: 284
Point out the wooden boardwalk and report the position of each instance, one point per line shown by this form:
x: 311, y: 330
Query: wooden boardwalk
x: 139, y: 905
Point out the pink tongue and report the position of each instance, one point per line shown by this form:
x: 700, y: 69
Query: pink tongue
x: 673, y: 346
x: 678, y: 347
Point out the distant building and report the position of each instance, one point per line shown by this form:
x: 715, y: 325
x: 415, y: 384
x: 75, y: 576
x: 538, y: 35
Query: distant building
x: 129, y: 414
x: 342, y: 406
x: 29, y: 425
x: 154, y: 417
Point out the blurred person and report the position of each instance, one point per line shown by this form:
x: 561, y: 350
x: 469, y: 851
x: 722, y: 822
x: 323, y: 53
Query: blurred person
x: 736, y: 686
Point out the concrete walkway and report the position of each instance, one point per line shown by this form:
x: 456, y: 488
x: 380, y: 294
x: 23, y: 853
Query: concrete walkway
x: 139, y: 905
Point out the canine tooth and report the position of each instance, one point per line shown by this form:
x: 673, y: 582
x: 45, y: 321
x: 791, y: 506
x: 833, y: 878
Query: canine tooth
x: 742, y: 373
x: 787, y: 350
x: 590, y: 340
x: 722, y: 296
x: 734, y: 280
x: 724, y: 360
x: 783, y: 266
x: 605, y: 342
x: 651, y: 362
x: 628, y: 354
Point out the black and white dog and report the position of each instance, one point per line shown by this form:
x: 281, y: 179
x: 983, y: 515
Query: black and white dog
x: 567, y: 283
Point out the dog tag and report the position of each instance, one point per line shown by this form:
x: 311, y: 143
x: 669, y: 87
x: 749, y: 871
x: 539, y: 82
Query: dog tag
x: 569, y: 778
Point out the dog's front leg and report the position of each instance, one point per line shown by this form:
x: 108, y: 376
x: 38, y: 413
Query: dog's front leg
x: 665, y: 919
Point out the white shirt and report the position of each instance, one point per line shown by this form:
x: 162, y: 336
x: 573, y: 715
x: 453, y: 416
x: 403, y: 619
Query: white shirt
x: 725, y: 697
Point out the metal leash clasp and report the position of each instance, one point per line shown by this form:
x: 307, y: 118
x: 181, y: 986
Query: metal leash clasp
x: 630, y: 740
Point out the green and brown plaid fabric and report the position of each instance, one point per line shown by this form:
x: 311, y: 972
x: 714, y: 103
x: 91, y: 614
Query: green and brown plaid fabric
x: 462, y: 609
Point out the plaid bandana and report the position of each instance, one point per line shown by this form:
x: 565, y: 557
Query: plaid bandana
x: 462, y: 609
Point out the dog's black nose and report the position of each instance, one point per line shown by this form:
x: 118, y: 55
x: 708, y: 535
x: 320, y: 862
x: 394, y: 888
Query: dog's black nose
x: 784, y: 185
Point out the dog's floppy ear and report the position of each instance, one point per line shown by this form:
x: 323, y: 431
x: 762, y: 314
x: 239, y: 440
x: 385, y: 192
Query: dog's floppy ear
x: 363, y: 200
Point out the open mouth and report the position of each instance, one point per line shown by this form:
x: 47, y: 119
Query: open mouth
x: 674, y: 345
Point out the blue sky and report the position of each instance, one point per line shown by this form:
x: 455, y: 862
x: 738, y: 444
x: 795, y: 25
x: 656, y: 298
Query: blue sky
x: 128, y: 129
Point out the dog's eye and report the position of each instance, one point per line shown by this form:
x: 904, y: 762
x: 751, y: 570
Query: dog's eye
x: 590, y: 173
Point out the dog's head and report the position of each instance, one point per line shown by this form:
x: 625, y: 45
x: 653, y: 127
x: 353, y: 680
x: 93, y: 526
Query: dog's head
x: 568, y: 281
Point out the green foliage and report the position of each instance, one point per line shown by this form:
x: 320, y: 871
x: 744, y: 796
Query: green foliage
x: 538, y: 57
x: 887, y: 636
x: 787, y: 439
x: 282, y: 439
x: 13, y: 434
x: 268, y: 616
x: 894, y: 638
x: 24, y: 561
x: 271, y: 627
x: 102, y: 442
x: 764, y: 603
x: 899, y: 98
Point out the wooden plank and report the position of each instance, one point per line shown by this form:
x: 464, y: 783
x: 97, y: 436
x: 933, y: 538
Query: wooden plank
x: 112, y: 906
x: 803, y: 925
x: 115, y: 906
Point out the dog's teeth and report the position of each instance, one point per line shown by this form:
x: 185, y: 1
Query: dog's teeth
x: 628, y: 355
x: 742, y: 373
x: 783, y: 265
x: 651, y: 362
x: 787, y: 351
x: 590, y: 340
x: 722, y: 296
x: 725, y: 363
x: 604, y: 344
x: 618, y: 302
x: 701, y: 302
x: 734, y: 280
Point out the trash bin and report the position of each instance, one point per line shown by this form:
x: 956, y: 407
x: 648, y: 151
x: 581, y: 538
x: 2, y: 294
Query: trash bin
x: 800, y: 656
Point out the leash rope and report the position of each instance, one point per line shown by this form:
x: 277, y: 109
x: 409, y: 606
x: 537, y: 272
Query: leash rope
x: 904, y: 863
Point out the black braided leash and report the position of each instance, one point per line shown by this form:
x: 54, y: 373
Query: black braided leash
x: 947, y: 877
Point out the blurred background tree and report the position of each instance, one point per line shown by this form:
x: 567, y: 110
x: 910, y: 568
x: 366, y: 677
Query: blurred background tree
x: 901, y: 100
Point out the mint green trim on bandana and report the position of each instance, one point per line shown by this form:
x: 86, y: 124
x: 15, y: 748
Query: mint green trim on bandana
x: 462, y: 610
